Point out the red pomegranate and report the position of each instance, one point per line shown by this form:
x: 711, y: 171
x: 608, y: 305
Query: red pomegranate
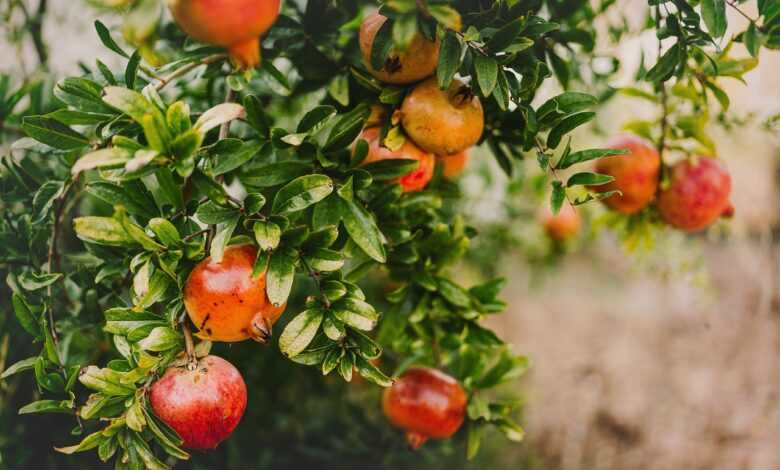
x: 234, y: 24
x: 415, y: 180
x: 698, y: 193
x: 636, y: 174
x: 427, y: 403
x: 203, y: 405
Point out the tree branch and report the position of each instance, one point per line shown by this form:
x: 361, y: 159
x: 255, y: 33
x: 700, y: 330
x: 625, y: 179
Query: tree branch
x: 187, y: 68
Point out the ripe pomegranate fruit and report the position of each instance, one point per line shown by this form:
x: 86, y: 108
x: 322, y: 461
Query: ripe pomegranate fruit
x: 453, y: 165
x: 417, y: 62
x: 426, y: 403
x: 234, y: 24
x: 636, y: 174
x: 415, y: 180
x: 202, y: 404
x: 697, y: 195
x: 562, y: 226
x: 225, y: 303
x: 443, y: 122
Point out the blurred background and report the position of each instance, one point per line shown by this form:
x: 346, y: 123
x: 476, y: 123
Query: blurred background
x: 662, y: 358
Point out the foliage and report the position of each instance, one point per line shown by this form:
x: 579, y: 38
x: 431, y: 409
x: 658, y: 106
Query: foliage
x: 129, y: 177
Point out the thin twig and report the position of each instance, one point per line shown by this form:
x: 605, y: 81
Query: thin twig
x: 53, y: 258
x: 735, y: 7
x: 664, y: 122
x: 316, y: 278
x: 224, y: 129
x: 189, y: 347
x: 541, y: 149
x: 187, y: 68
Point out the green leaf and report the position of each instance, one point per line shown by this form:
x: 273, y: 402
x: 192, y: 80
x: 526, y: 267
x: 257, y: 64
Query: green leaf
x: 267, y: 235
x: 105, y: 381
x: 333, y: 328
x: 588, y: 178
x: 47, y: 406
x: 90, y: 442
x: 107, y: 40
x: 300, y: 332
x: 275, y: 174
x: 453, y: 293
x: 486, y: 70
x: 567, y: 125
x: 131, y: 71
x: 362, y: 229
x: 476, y: 431
x: 347, y: 128
x: 449, y: 59
x: 230, y: 154
x: 557, y: 197
x: 382, y: 45
x: 20, y: 366
x: 301, y: 193
x: 121, y: 321
x: 404, y: 31
x: 506, y: 35
x: 446, y: 15
x: 372, y: 373
x: 165, y: 231
x: 161, y: 338
x: 25, y: 315
x: 129, y: 102
x: 53, y: 133
x: 36, y: 281
x: 218, y: 115
x: 315, y: 119
x: 573, y: 158
x: 222, y: 238
x: 752, y: 39
x: 664, y: 68
x: 566, y: 103
x: 386, y: 170
x: 211, y: 213
x: 339, y: 89
x: 256, y: 116
x: 280, y: 277
x: 713, y: 13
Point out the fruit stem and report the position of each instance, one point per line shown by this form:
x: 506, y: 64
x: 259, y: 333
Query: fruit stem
x: 189, y: 347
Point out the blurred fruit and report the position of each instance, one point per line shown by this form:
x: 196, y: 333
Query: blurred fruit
x: 636, y: 174
x: 427, y: 403
x: 453, y: 165
x: 416, y: 63
x: 443, y: 122
x: 225, y: 303
x: 234, y: 24
x: 203, y: 405
x: 562, y: 226
x: 698, y: 193
x: 418, y: 178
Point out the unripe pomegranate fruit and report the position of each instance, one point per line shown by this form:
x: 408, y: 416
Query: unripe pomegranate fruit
x: 415, y: 180
x: 453, y: 165
x: 225, y: 303
x: 427, y: 403
x: 443, y: 122
x: 562, y: 226
x: 636, y: 174
x: 234, y: 24
x: 697, y: 195
x: 203, y: 405
x: 414, y: 64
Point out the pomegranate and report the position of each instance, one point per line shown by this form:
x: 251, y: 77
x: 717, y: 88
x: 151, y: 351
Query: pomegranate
x: 443, y: 122
x: 562, y: 226
x: 234, y: 24
x: 415, y: 180
x: 698, y: 193
x: 417, y: 62
x: 636, y: 174
x: 427, y: 403
x: 203, y: 405
x: 225, y: 303
x: 453, y: 165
